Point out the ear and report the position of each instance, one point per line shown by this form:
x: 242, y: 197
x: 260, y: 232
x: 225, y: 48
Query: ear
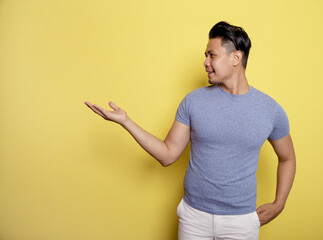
x: 237, y: 57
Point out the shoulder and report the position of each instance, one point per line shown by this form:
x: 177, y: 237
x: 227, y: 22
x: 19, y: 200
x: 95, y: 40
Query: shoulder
x: 264, y: 98
x: 201, y: 92
x: 267, y: 104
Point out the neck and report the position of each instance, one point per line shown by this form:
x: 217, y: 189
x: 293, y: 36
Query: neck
x: 237, y: 84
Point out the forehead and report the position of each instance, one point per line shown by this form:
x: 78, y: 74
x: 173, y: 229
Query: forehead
x: 214, y: 44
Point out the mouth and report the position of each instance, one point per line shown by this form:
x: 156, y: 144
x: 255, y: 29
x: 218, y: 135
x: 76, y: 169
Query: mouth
x: 210, y: 73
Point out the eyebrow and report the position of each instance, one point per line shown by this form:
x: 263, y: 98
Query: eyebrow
x: 210, y: 51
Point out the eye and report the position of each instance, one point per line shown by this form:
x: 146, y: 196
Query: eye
x: 212, y: 55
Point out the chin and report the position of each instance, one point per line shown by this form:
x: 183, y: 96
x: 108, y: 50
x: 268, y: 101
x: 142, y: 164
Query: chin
x: 214, y: 81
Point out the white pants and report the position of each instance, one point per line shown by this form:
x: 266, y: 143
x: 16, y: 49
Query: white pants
x: 198, y: 225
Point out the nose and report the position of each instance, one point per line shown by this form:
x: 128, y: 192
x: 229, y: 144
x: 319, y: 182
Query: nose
x: 206, y: 62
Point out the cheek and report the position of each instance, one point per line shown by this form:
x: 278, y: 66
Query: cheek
x: 224, y: 64
x: 214, y: 64
x: 217, y: 65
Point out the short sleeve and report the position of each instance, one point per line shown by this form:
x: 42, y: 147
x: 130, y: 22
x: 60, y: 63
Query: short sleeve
x: 182, y: 114
x: 281, y: 124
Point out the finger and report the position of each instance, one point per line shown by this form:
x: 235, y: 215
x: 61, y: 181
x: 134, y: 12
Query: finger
x: 261, y: 219
x: 95, y: 110
x: 115, y: 107
x: 87, y: 104
x: 99, y: 113
x: 102, y: 110
x: 260, y: 209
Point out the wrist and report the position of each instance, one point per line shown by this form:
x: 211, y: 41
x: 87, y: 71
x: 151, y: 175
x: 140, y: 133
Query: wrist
x: 125, y: 123
x: 280, y: 205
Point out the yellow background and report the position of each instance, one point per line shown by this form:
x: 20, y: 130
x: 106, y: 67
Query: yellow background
x: 67, y: 174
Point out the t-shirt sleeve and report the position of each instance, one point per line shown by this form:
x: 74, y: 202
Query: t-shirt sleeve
x: 182, y: 114
x: 281, y: 124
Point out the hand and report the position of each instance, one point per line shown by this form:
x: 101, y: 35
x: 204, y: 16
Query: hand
x: 268, y: 212
x: 118, y: 115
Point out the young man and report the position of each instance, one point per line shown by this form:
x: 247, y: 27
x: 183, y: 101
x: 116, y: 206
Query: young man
x: 227, y: 123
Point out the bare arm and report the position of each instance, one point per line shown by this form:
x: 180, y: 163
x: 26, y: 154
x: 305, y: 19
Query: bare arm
x: 285, y: 177
x: 166, y: 152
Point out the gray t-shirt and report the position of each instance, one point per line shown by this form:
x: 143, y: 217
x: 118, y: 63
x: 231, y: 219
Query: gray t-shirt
x: 227, y: 132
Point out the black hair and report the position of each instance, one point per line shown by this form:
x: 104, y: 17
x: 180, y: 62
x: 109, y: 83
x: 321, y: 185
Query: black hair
x: 229, y: 35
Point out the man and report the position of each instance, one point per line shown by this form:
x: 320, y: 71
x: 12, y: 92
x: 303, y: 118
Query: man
x: 227, y: 123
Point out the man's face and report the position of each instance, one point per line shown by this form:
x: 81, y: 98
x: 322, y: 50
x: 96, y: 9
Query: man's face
x: 218, y: 64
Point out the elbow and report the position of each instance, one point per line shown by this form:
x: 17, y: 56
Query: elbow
x: 167, y: 162
x: 168, y: 158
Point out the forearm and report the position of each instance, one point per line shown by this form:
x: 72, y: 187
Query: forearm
x: 285, y: 177
x: 166, y: 152
x: 151, y: 144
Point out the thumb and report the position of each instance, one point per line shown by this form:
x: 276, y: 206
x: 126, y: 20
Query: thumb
x: 112, y: 105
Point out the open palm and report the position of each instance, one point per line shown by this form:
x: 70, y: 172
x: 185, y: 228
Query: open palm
x: 117, y: 115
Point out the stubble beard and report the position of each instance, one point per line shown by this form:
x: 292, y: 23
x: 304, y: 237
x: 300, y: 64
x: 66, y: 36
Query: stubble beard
x: 213, y: 80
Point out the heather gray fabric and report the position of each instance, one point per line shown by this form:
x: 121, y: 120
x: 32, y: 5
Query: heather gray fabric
x: 227, y: 132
